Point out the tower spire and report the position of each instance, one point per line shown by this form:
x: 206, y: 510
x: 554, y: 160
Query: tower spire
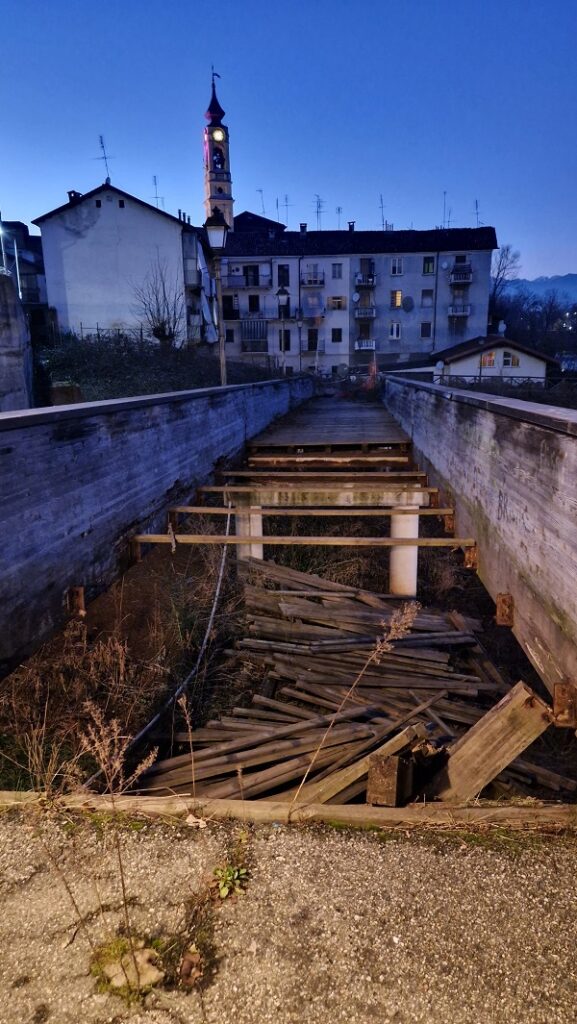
x: 214, y: 113
x: 217, y: 178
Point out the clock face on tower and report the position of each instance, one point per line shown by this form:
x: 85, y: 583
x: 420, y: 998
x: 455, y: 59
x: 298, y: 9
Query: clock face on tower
x: 218, y: 135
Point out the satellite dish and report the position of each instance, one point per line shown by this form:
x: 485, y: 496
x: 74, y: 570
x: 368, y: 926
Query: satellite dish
x: 444, y: 264
x: 356, y: 296
x: 408, y: 304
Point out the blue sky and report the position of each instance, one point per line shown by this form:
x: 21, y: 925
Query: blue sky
x: 345, y: 99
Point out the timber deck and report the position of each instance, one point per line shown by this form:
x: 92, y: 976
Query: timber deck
x: 330, y: 423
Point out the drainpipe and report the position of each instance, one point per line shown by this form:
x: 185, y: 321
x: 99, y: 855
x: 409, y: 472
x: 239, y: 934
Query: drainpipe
x: 436, y: 299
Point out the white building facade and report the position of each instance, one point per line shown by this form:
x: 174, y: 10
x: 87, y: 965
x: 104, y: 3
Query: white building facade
x: 100, y: 249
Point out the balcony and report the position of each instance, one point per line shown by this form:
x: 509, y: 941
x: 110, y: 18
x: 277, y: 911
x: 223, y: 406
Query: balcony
x: 254, y: 332
x: 310, y: 348
x: 255, y: 345
x: 365, y: 345
x: 240, y: 281
x: 460, y: 310
x: 365, y: 312
x: 365, y: 280
x: 462, y: 273
x: 313, y: 279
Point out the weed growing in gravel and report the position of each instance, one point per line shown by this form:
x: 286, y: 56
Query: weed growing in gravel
x: 230, y: 880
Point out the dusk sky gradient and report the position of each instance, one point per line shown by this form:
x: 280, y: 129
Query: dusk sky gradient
x: 344, y: 99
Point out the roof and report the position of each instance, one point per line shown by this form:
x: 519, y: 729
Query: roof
x: 247, y: 221
x: 107, y: 187
x: 483, y: 344
x: 342, y: 243
x: 215, y: 113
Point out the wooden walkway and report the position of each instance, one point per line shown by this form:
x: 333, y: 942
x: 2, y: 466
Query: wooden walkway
x: 330, y: 422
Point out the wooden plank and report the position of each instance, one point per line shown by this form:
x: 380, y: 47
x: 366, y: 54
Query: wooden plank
x: 556, y: 815
x: 320, y: 792
x: 291, y: 541
x: 390, y: 780
x: 307, y: 510
x: 376, y: 486
x: 491, y: 744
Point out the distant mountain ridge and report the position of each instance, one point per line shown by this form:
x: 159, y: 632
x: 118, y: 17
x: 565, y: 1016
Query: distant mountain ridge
x: 563, y: 284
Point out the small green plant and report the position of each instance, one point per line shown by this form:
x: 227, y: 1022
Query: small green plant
x: 230, y: 880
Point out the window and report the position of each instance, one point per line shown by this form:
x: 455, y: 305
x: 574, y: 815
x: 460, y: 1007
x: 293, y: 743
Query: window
x: 337, y: 269
x: 121, y: 203
x: 396, y: 299
x: 426, y: 329
x: 396, y: 266
x: 488, y: 359
x: 510, y: 359
x: 283, y: 271
x: 428, y: 264
x: 229, y: 335
x: 312, y: 339
x: 364, y: 330
x: 394, y: 331
x: 427, y: 297
x: 461, y: 257
x: 254, y: 303
x: 98, y: 203
x: 336, y: 334
x: 336, y: 302
x: 284, y: 340
x: 250, y: 274
x: 230, y: 307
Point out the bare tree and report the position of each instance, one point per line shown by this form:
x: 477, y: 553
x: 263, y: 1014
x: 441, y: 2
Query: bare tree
x: 505, y: 267
x: 160, y: 304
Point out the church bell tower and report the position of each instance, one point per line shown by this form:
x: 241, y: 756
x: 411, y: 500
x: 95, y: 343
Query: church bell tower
x: 217, y: 179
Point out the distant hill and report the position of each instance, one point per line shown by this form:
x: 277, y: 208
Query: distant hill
x: 563, y: 284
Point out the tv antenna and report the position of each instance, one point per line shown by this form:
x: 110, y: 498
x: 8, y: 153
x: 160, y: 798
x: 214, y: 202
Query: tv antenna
x: 382, y: 209
x: 478, y: 222
x: 261, y: 194
x: 157, y: 199
x: 449, y: 218
x: 444, y: 207
x: 319, y: 203
x: 104, y: 157
x: 286, y: 205
x: 338, y: 212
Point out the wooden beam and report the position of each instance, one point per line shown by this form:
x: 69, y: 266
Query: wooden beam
x: 558, y: 816
x: 328, y: 459
x: 307, y: 510
x: 302, y: 475
x: 334, y: 542
x: 378, y: 485
x: 320, y: 792
x: 491, y: 744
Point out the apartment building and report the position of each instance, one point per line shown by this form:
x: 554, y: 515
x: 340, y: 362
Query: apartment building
x: 329, y: 299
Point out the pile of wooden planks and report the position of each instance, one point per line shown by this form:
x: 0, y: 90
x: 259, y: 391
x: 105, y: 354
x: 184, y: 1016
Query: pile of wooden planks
x: 335, y: 695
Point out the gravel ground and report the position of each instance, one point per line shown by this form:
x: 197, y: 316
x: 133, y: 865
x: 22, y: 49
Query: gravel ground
x: 335, y: 925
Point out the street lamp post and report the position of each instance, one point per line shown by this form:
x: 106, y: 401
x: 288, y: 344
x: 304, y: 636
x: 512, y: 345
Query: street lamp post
x: 300, y: 323
x: 282, y: 298
x: 216, y: 229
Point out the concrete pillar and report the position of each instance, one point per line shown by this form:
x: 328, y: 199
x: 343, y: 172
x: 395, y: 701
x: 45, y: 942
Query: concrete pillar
x: 403, y: 565
x: 15, y: 351
x: 248, y: 523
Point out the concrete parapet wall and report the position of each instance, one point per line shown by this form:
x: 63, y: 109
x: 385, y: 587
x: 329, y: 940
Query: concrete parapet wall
x: 510, y: 467
x: 77, y: 481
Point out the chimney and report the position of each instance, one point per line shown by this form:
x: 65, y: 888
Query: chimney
x: 72, y: 195
x: 303, y: 229
x: 188, y: 220
x: 180, y: 214
x: 351, y: 225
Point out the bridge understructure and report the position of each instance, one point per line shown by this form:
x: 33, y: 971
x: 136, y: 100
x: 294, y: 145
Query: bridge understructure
x: 327, y: 460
